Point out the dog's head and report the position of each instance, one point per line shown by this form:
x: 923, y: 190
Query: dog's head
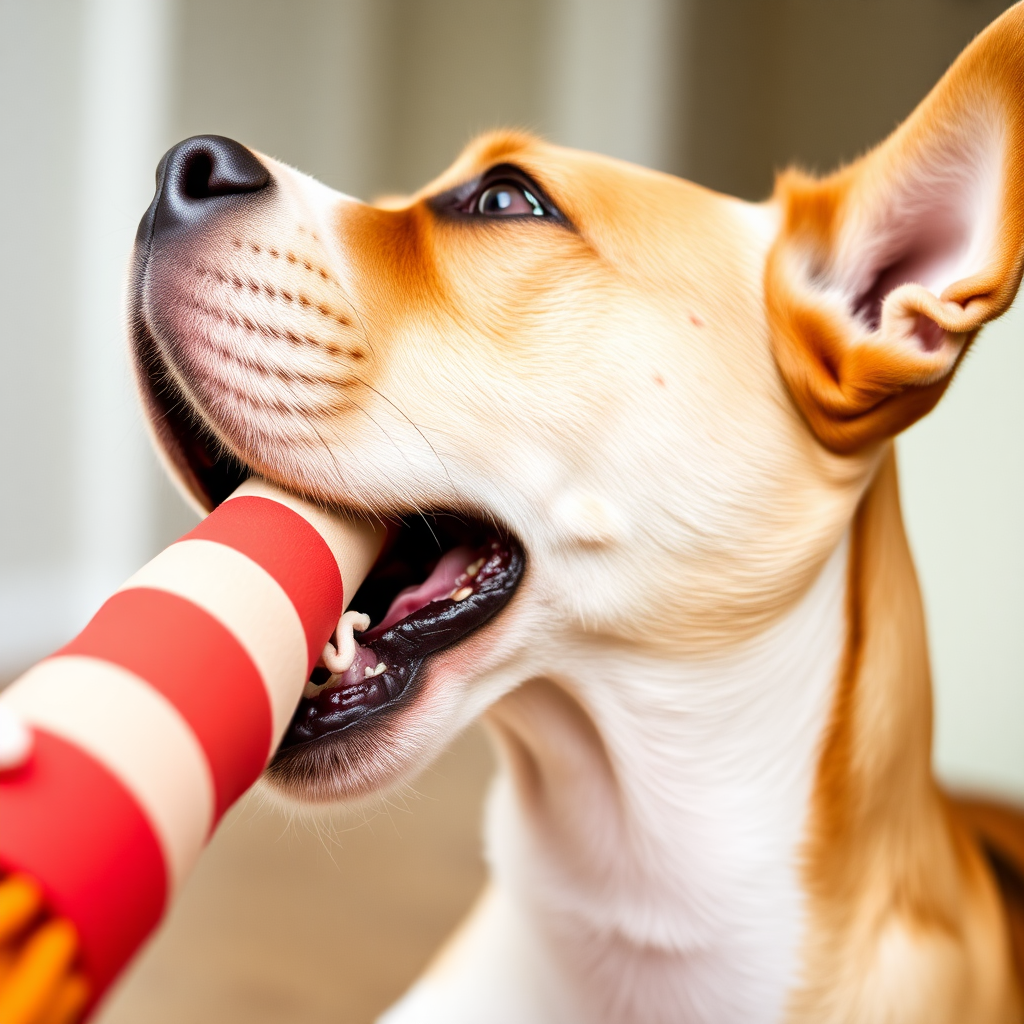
x: 634, y: 410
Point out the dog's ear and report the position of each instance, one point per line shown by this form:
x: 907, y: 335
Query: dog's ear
x: 882, y: 274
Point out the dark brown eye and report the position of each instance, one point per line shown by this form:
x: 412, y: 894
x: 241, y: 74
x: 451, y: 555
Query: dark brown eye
x: 508, y: 199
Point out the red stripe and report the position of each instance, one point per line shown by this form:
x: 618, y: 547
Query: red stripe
x: 291, y: 550
x: 68, y: 822
x: 199, y: 666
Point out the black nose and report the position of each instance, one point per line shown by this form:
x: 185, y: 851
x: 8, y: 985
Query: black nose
x: 198, y: 178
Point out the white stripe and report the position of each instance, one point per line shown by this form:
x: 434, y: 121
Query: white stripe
x: 250, y: 603
x: 132, y: 729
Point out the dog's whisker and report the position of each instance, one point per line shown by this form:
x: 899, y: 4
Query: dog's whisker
x: 418, y: 429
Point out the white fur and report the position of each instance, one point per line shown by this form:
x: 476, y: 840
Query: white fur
x: 691, y: 909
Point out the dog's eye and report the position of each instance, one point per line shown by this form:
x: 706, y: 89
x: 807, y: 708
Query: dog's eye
x: 503, y: 191
x: 508, y: 199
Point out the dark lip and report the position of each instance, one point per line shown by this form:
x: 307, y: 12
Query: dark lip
x: 212, y: 471
x: 209, y: 469
x: 404, y: 648
x: 204, y: 464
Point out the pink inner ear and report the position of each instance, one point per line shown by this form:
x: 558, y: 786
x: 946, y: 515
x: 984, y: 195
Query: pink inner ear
x: 928, y: 219
x: 931, y: 264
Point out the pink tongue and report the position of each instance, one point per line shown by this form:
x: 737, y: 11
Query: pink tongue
x: 436, y: 587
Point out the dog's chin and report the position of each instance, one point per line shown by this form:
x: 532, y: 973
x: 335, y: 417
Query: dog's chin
x: 438, y: 589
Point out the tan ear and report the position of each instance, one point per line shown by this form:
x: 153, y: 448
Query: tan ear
x: 883, y: 273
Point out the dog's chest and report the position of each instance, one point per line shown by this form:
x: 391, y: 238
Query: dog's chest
x: 676, y: 894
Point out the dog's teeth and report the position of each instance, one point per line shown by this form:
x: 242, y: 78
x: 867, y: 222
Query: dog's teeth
x: 369, y: 673
x: 474, y: 568
x: 462, y: 593
x: 339, y: 655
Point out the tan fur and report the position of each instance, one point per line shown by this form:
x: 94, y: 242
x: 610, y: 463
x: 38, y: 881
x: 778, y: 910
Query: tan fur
x: 683, y: 406
x: 1000, y: 831
x: 904, y: 907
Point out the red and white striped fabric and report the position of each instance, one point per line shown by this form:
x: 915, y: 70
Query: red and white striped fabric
x: 162, y: 712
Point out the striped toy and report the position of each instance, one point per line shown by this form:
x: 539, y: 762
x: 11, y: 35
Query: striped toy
x: 164, y: 710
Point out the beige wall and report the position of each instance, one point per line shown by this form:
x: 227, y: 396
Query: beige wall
x: 82, y: 126
x: 368, y: 95
x: 962, y: 477
x: 774, y: 82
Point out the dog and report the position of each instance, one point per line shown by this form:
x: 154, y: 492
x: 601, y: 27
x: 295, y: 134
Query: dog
x: 635, y: 443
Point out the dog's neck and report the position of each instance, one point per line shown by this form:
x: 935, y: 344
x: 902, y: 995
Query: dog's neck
x: 698, y: 840
x: 651, y: 822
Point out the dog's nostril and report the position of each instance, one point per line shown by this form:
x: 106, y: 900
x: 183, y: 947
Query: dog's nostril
x: 197, y: 171
x: 211, y: 165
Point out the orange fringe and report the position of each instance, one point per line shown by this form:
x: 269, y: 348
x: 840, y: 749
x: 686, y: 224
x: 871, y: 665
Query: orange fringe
x: 68, y: 1002
x: 38, y: 983
x: 21, y: 900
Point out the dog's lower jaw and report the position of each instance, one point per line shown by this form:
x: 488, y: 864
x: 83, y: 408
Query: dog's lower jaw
x: 645, y: 833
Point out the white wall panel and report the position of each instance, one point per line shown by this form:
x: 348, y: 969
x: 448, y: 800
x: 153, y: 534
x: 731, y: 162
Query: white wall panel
x: 962, y: 480
x: 615, y: 78
x: 85, y: 104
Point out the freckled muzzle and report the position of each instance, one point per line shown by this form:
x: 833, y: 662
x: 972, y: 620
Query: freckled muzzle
x: 241, y: 332
x: 245, y: 345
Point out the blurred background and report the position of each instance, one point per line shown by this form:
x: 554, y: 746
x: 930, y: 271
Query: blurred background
x: 329, y: 920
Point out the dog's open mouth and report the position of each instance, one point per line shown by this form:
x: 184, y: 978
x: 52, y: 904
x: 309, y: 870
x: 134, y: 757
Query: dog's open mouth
x: 441, y: 576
